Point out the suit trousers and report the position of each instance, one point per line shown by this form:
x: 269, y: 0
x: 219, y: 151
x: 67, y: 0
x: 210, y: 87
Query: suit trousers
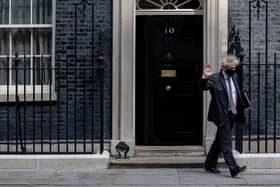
x: 222, y: 143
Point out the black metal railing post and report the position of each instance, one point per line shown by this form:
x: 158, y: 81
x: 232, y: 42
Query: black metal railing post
x: 92, y: 74
x: 85, y: 106
x: 259, y: 103
x: 266, y: 75
x: 8, y: 103
x: 101, y: 82
x: 24, y: 100
x: 18, y: 111
x: 41, y: 77
x: 275, y: 104
x: 16, y: 62
x: 58, y: 87
x: 50, y: 82
x: 101, y: 78
x: 249, y: 74
x: 75, y: 76
x: 34, y: 104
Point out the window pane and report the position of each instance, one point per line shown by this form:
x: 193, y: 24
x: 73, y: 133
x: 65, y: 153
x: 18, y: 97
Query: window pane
x: 21, y: 41
x: 4, y: 11
x: 3, y: 71
x: 43, y: 71
x: 42, y: 41
x: 195, y: 4
x: 144, y: 4
x: 20, y: 71
x: 42, y: 12
x: 20, y: 11
x: 4, y: 42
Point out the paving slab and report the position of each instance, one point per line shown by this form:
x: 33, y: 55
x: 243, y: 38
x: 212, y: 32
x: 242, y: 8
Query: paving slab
x: 152, y: 177
x: 137, y: 177
x: 201, y: 177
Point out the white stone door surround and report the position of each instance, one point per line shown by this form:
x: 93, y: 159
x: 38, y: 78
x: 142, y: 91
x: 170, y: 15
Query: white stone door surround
x: 123, y: 110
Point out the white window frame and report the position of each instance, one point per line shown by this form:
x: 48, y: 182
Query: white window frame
x: 29, y: 94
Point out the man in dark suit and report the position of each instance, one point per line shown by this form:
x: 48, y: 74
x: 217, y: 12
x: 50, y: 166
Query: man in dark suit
x: 225, y: 108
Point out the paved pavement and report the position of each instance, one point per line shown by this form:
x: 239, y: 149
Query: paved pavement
x: 137, y: 178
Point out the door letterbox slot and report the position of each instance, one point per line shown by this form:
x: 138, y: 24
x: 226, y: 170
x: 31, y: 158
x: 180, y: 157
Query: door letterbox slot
x: 168, y: 73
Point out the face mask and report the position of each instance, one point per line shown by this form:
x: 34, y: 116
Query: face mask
x: 230, y: 72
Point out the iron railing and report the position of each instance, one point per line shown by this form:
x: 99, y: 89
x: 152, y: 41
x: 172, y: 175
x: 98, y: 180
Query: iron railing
x: 56, y: 114
x: 261, y: 133
x: 56, y: 106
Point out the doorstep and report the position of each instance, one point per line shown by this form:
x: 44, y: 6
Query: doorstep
x: 163, y: 157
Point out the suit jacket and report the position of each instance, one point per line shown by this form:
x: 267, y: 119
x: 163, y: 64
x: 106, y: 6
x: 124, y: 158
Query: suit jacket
x: 219, y: 104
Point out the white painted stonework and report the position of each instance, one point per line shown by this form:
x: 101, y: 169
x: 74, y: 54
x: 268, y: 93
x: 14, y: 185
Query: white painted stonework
x: 55, y: 162
x: 124, y: 13
x: 258, y: 160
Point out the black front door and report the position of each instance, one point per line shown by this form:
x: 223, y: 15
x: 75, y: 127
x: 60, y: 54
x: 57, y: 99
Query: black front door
x: 169, y: 58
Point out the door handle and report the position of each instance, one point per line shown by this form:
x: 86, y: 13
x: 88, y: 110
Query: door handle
x: 168, y: 88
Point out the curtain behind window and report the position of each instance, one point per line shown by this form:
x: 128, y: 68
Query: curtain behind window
x: 21, y: 12
x: 4, y: 11
x: 4, y: 42
x: 21, y: 41
x: 42, y: 12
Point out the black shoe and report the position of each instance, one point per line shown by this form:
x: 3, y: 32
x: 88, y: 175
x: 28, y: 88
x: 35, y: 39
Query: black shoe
x: 238, y: 170
x: 213, y: 170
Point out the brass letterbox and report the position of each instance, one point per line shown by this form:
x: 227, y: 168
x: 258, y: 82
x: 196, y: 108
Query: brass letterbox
x: 168, y: 73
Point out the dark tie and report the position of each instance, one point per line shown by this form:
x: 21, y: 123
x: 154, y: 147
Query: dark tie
x: 232, y: 105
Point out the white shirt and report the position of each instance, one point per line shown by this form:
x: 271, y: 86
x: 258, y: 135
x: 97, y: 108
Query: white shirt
x: 234, y: 92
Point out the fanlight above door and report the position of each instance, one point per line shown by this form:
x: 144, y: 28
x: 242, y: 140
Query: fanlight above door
x: 169, y: 4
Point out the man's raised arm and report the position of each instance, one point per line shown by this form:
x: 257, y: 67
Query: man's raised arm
x: 204, y: 81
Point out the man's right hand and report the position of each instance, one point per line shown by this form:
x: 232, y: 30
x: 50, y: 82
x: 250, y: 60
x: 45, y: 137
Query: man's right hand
x: 207, y: 70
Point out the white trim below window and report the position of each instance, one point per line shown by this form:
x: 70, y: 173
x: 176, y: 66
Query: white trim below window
x: 6, y: 26
x: 42, y: 93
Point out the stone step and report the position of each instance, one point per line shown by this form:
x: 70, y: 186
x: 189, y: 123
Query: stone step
x: 160, y: 162
x: 157, y: 162
x: 168, y: 151
x: 167, y: 154
x: 162, y: 157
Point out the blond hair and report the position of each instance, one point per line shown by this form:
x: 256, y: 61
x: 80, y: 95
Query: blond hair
x: 228, y: 60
